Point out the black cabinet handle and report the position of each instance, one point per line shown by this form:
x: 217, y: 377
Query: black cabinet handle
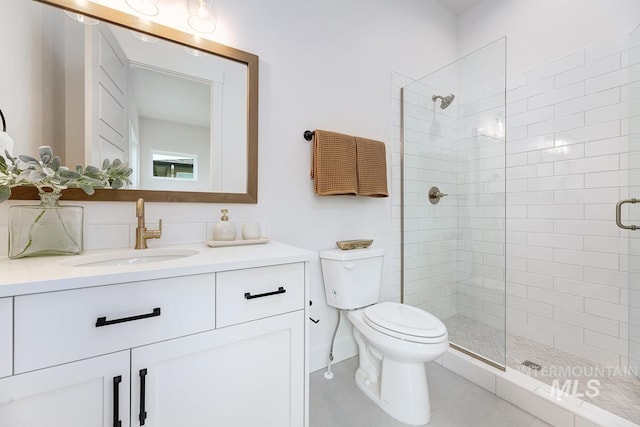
x: 102, y: 321
x: 116, y: 401
x: 280, y: 290
x: 143, y: 412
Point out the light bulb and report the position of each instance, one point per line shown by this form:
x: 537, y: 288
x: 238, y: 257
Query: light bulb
x: 194, y: 52
x: 144, y: 37
x: 144, y: 7
x: 81, y: 18
x: 202, y: 16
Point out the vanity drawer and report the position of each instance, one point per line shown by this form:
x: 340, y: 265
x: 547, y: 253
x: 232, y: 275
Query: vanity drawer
x: 6, y: 336
x: 59, y: 327
x: 254, y: 293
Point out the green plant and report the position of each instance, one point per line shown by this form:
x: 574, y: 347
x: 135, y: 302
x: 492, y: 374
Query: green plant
x: 48, y: 175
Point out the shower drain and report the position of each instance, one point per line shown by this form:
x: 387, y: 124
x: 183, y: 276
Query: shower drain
x: 532, y: 365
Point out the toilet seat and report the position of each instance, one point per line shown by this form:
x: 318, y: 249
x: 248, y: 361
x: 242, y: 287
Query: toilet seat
x: 405, y: 322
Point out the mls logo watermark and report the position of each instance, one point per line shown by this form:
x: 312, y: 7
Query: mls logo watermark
x: 572, y: 388
x: 576, y: 381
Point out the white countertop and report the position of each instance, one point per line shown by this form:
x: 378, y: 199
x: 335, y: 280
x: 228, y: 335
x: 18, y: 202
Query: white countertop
x: 45, y: 274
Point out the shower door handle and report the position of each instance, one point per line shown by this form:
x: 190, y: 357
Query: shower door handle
x: 619, y: 214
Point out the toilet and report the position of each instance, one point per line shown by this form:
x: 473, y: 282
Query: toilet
x: 394, y: 340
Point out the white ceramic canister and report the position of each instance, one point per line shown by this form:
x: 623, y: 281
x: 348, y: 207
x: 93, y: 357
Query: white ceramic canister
x: 251, y: 230
x: 224, y: 230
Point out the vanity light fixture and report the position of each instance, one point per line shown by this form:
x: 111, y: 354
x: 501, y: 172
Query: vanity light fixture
x: 144, y: 37
x: 202, y: 15
x: 144, y: 7
x: 194, y: 52
x: 81, y: 18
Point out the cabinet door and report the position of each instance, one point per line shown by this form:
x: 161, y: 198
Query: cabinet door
x: 245, y: 375
x: 89, y: 393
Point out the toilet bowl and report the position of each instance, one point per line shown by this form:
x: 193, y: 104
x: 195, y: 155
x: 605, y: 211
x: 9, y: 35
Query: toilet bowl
x: 401, y: 332
x: 392, y: 364
x: 394, y: 340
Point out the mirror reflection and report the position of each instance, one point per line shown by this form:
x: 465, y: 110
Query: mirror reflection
x: 146, y: 95
x: 180, y: 110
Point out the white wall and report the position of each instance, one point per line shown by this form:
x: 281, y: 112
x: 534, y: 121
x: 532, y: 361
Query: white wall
x: 173, y: 138
x: 322, y: 65
x: 543, y: 30
x: 21, y: 90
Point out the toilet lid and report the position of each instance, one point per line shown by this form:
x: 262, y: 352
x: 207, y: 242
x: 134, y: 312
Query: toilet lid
x: 405, y: 322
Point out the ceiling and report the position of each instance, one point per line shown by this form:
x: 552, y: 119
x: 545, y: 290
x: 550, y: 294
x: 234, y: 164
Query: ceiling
x: 459, y: 6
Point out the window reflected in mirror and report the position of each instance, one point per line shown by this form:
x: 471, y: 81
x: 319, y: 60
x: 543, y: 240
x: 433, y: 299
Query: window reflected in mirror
x: 180, y: 166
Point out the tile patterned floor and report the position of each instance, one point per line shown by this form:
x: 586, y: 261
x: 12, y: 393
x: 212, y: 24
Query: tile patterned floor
x: 477, y: 338
x: 618, y: 392
x: 455, y: 402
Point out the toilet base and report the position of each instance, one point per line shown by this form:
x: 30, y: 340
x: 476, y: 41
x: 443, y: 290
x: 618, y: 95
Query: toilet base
x: 402, y: 392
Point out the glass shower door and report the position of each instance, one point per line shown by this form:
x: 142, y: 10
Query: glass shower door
x: 634, y: 209
x: 454, y: 199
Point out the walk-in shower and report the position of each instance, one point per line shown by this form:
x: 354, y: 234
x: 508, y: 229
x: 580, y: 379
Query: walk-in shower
x: 522, y: 260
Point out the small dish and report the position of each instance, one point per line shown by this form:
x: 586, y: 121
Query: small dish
x: 346, y: 245
x: 237, y: 242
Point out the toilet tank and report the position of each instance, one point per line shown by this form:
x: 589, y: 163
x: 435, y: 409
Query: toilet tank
x: 352, y: 278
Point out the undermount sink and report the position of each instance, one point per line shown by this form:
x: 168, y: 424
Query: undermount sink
x: 130, y: 257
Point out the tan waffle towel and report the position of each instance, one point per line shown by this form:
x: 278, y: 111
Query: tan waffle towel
x: 334, y: 164
x: 371, y: 168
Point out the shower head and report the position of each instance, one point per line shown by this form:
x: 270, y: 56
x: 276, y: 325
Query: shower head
x: 445, y: 101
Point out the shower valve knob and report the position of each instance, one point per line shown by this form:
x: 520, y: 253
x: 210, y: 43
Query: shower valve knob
x: 435, y: 195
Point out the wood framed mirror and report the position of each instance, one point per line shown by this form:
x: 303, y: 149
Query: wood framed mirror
x: 220, y: 82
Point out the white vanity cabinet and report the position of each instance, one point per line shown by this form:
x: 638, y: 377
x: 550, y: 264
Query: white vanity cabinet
x: 223, y: 344
x: 6, y: 337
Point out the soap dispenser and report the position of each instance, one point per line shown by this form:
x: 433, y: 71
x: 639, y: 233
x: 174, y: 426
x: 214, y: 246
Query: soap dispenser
x: 224, y: 230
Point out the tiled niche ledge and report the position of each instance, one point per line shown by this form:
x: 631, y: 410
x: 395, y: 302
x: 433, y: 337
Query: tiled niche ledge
x: 530, y: 394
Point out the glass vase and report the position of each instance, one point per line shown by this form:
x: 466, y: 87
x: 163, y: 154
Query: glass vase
x: 45, y: 229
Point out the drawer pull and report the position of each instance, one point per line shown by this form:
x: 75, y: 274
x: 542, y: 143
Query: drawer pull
x: 102, y: 321
x: 280, y: 290
x: 142, y: 416
x: 116, y: 401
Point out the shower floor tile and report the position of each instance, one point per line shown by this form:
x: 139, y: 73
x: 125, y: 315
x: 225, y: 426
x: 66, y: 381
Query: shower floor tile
x: 475, y: 336
x: 617, y: 391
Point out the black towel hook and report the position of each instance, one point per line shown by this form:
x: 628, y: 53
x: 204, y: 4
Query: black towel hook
x: 308, y: 135
x: 4, y: 123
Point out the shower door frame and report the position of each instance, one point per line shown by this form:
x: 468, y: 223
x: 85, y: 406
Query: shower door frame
x: 630, y: 218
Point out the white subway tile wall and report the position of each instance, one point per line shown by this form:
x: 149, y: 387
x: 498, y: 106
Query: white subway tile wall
x: 567, y: 164
x: 481, y: 187
x: 430, y: 231
x: 570, y: 296
x: 454, y: 251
